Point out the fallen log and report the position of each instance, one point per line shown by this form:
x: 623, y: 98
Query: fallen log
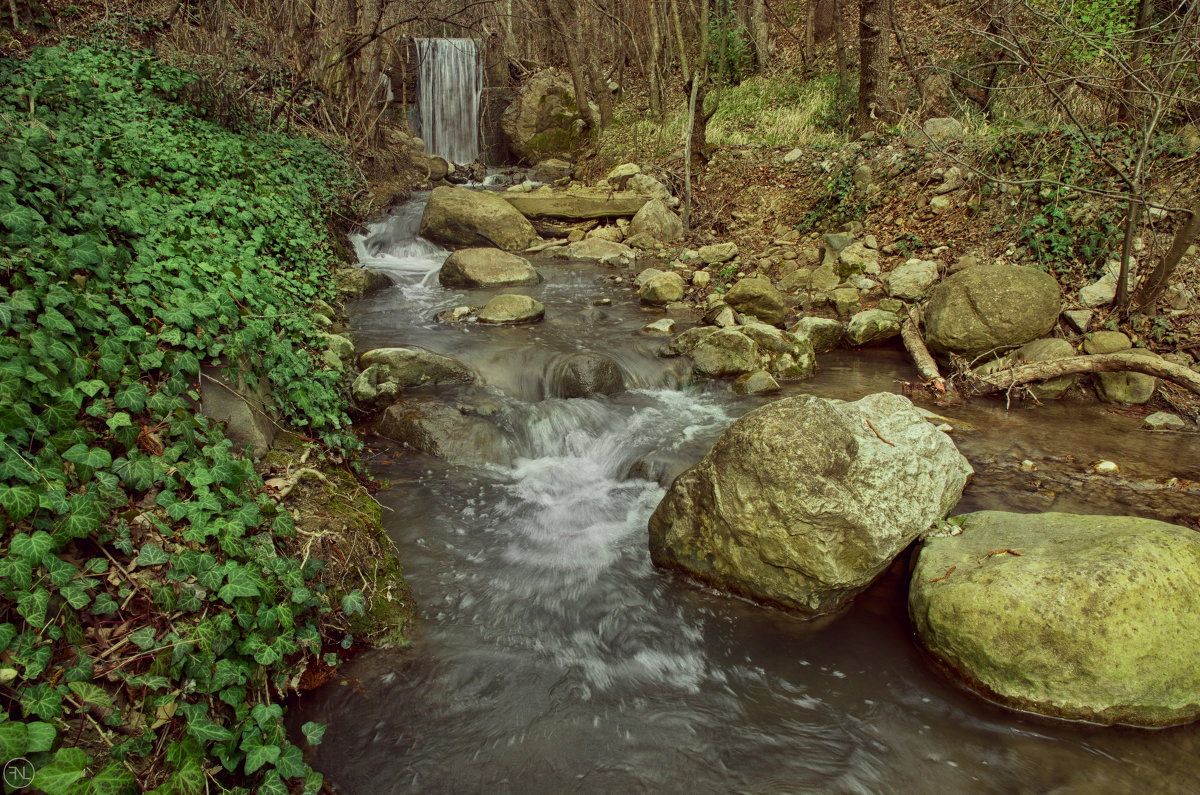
x: 1003, y: 380
x: 910, y: 333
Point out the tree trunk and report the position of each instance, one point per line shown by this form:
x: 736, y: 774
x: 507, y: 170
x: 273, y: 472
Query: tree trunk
x: 1156, y: 282
x: 761, y: 33
x: 810, y: 32
x: 587, y: 35
x: 566, y: 35
x: 873, y: 41
x: 839, y: 47
x: 1127, y: 107
x: 1105, y: 363
x: 653, y: 73
x: 680, y: 42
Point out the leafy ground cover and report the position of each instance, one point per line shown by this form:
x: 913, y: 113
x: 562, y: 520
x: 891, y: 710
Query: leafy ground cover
x: 152, y: 605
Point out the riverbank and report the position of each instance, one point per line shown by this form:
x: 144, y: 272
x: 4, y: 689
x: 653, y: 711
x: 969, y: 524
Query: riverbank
x: 166, y: 309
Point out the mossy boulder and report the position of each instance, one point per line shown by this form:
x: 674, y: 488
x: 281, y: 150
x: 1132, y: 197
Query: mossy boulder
x: 991, y: 307
x: 465, y: 218
x: 541, y: 121
x: 1091, y: 618
x: 486, y: 267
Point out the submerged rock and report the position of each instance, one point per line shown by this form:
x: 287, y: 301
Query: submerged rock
x: 443, y: 431
x: 512, y: 309
x: 802, y: 503
x: 588, y: 374
x: 486, y: 267
x: 1091, y: 618
x: 604, y: 252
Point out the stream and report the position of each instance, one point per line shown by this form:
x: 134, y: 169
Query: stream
x: 554, y: 658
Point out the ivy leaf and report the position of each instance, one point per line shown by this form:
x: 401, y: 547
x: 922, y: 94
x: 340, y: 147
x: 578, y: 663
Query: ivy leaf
x: 313, y: 732
x: 119, y: 420
x: 132, y: 398
x: 94, y: 457
x: 205, y: 730
x: 65, y: 769
x: 151, y: 554
x: 238, y: 582
x: 41, y: 736
x: 84, y: 516
x: 143, y: 638
x: 14, y: 739
x: 33, y: 548
x: 290, y: 763
x: 113, y: 779
x: 18, y: 501
x: 32, y: 605
x: 354, y: 603
x: 20, y: 220
x: 258, y: 754
x: 43, y: 701
x: 90, y: 693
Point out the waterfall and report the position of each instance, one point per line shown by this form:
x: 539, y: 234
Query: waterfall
x: 449, y: 90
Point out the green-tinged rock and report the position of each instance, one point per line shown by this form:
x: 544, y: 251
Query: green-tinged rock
x: 464, y: 218
x: 759, y: 298
x: 760, y: 382
x: 512, y: 309
x: 872, y: 325
x: 662, y: 288
x: 658, y: 220
x: 486, y: 267
x: 825, y: 333
x: 802, y: 503
x: 686, y: 340
x: 352, y: 283
x: 588, y: 374
x: 717, y: 253
x: 726, y: 351
x: 1091, y: 618
x: 1047, y: 349
x: 440, y: 430
x: 845, y: 300
x: 991, y: 307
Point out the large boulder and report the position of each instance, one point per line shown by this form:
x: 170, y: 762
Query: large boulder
x: 759, y: 298
x: 1092, y: 618
x: 787, y: 355
x: 726, y: 351
x: 825, y: 333
x: 872, y: 326
x: 464, y: 218
x: 432, y: 427
x: 802, y: 503
x: 991, y: 307
x: 543, y: 119
x: 510, y: 309
x: 486, y: 267
x: 657, y: 220
x: 386, y: 372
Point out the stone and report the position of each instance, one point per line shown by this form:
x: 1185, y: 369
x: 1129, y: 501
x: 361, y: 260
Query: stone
x: 872, y: 326
x: 912, y: 280
x: 1124, y: 387
x: 797, y: 280
x: 552, y: 170
x: 1078, y: 319
x: 801, y: 503
x: 793, y: 156
x: 760, y: 382
x: 845, y: 300
x: 824, y: 333
x: 386, y: 372
x: 991, y: 307
x: 757, y: 297
x: 824, y: 278
x: 339, y: 346
x: 687, y: 340
x: 509, y: 309
x: 428, y: 425
x: 646, y: 275
x: 620, y: 174
x: 1099, y: 293
x: 725, y: 351
x: 465, y: 218
x: 658, y: 220
x: 662, y: 326
x: 646, y: 185
x: 662, y: 288
x: 588, y: 374
x: 1095, y: 618
x: 862, y: 178
x: 941, y: 204
x: 353, y: 283
x: 857, y: 258
x: 613, y: 234
x: 242, y: 408
x: 1101, y: 342
x: 604, y: 252
x: 644, y: 241
x: 722, y: 316
x: 576, y: 203
x: 541, y: 121
x: 486, y: 267
x: 789, y: 356
x: 719, y: 252
x: 1047, y: 349
x: 1164, y: 421
x: 944, y: 128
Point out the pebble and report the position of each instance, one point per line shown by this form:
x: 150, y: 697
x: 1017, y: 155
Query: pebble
x: 1028, y: 466
x: 1106, y: 466
x: 602, y: 302
x: 1162, y: 421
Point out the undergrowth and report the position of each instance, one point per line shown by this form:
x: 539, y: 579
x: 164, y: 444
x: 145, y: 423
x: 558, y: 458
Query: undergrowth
x: 150, y: 611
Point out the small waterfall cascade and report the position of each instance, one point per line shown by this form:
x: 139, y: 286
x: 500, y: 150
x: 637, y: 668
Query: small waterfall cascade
x: 449, y: 92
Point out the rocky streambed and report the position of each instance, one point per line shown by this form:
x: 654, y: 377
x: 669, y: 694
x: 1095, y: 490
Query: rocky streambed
x: 556, y: 657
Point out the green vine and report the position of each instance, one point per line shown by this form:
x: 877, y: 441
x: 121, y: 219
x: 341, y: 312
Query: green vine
x: 149, y: 603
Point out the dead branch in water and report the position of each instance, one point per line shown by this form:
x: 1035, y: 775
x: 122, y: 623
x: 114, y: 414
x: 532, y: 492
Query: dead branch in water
x: 910, y: 333
x: 1105, y: 363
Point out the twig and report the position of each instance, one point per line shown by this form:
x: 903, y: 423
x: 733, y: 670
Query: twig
x: 873, y: 428
x: 949, y: 571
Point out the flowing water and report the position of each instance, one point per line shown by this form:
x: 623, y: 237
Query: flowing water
x: 554, y: 658
x: 449, y: 91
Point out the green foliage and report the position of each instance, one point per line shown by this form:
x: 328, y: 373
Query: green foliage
x: 139, y: 243
x: 1094, y: 24
x: 730, y: 54
x: 838, y: 204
